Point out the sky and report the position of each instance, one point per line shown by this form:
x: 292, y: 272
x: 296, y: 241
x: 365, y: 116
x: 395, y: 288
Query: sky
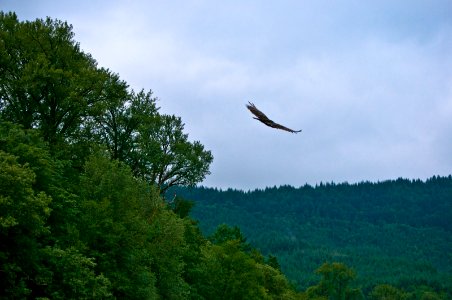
x: 368, y: 82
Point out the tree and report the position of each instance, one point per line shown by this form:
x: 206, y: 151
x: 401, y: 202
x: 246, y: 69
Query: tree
x: 31, y: 224
x: 117, y: 125
x: 167, y: 248
x: 152, y: 144
x: 71, y: 275
x: 387, y: 292
x: 46, y: 81
x: 229, y: 273
x: 114, y: 228
x: 273, y: 262
x: 276, y: 284
x: 336, y: 278
x: 225, y: 233
x: 23, y: 215
x: 181, y: 206
x: 166, y: 157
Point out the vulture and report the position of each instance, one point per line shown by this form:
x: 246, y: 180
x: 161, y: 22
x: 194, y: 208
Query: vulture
x: 260, y: 116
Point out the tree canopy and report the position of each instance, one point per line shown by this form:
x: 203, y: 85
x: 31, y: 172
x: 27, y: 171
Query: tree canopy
x: 395, y: 232
x: 48, y: 83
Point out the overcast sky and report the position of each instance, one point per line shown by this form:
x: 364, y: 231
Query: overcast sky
x: 369, y: 82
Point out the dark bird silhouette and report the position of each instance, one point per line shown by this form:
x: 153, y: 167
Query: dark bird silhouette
x: 260, y: 116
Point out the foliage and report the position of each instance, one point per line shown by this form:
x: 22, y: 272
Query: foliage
x: 395, y: 232
x: 23, y: 215
x: 224, y: 233
x: 48, y: 83
x: 123, y: 114
x: 228, y: 272
x: 386, y: 291
x: 124, y: 242
x: 113, y: 228
x: 72, y: 276
x: 336, y: 278
x: 168, y: 158
x: 32, y: 264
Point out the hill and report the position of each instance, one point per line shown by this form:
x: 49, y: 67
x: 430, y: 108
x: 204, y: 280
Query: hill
x: 396, y: 232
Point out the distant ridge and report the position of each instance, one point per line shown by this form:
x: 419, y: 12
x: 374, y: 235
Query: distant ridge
x: 390, y: 231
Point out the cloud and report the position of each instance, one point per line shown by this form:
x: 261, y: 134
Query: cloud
x: 369, y: 83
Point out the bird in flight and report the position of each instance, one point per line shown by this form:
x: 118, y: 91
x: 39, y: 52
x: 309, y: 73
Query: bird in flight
x: 260, y: 116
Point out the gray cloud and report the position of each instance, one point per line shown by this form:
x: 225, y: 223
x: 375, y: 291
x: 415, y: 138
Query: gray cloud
x: 370, y: 84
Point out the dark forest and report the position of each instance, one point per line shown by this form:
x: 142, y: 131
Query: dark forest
x: 396, y: 231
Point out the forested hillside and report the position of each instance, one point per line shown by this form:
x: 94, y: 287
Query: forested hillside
x: 397, y: 232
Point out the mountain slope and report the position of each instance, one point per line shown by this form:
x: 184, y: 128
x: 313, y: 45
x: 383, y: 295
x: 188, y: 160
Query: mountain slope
x: 396, y: 231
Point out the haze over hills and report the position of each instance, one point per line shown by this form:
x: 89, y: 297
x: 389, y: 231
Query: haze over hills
x: 396, y: 231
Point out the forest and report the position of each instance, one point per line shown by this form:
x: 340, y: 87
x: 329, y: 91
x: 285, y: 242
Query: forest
x: 88, y: 167
x: 396, y: 232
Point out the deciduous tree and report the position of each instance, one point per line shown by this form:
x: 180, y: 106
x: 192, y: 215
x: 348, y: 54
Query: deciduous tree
x: 335, y: 283
x: 46, y: 81
x: 166, y: 156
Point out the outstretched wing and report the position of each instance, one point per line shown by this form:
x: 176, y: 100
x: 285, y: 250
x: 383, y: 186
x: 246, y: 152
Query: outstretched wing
x: 264, y: 119
x: 279, y: 126
x: 259, y: 115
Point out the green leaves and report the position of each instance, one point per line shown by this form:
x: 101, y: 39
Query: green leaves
x: 23, y: 215
x: 336, y: 278
x: 385, y: 291
x: 225, y: 233
x: 20, y: 206
x: 72, y: 276
x: 229, y: 273
x: 46, y: 82
x: 393, y: 232
x: 167, y: 158
x: 113, y: 226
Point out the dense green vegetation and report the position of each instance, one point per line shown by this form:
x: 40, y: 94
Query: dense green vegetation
x: 85, y: 162
x: 395, y: 232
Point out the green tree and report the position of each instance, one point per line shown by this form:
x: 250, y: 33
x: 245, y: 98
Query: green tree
x: 273, y: 262
x: 387, y: 292
x: 152, y: 144
x: 335, y: 283
x: 423, y: 292
x: 114, y: 228
x: 231, y: 269
x: 276, y: 284
x: 32, y: 264
x: 29, y: 149
x: 432, y: 296
x: 229, y: 273
x: 181, y: 207
x: 46, y: 81
x: 192, y: 257
x: 166, y: 157
x: 23, y: 215
x: 168, y: 249
x: 117, y: 125
x: 71, y: 276
x: 225, y: 233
